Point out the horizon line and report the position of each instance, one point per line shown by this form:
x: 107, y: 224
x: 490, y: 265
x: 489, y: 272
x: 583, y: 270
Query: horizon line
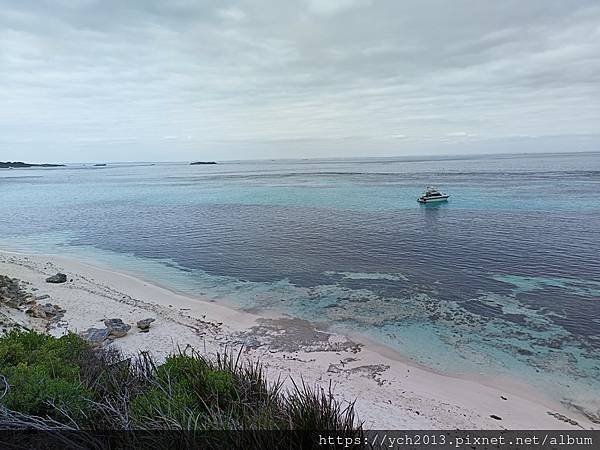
x: 412, y: 157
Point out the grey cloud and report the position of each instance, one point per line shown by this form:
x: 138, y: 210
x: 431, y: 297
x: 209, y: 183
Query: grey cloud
x: 333, y: 7
x: 238, y: 76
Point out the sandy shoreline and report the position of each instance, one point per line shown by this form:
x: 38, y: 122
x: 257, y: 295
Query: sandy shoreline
x: 390, y: 392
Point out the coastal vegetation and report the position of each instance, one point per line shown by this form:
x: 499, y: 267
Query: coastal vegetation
x: 67, y: 383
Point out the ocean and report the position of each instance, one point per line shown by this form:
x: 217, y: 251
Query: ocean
x: 503, y: 280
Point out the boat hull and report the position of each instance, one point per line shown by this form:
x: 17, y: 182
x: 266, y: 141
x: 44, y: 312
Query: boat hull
x: 433, y: 200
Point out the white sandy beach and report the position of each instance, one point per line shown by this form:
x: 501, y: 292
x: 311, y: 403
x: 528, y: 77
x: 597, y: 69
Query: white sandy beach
x: 390, y: 392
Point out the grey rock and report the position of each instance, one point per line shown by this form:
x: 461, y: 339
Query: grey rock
x: 52, y: 310
x: 41, y: 297
x: 11, y: 293
x: 58, y: 278
x: 13, y: 302
x: 116, y: 327
x: 36, y: 311
x: 333, y: 368
x: 144, y: 324
x: 46, y: 311
x: 95, y: 335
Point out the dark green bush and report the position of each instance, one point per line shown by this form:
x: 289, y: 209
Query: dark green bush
x: 186, y: 391
x: 219, y: 384
x: 172, y: 398
x: 43, y: 375
x: 181, y: 366
x: 30, y: 347
x: 34, y: 390
x: 171, y: 408
x: 17, y: 347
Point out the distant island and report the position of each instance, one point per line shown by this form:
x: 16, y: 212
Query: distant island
x: 200, y: 163
x: 99, y: 165
x: 22, y: 165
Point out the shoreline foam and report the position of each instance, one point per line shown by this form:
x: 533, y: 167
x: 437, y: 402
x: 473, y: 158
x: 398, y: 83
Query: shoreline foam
x: 390, y: 391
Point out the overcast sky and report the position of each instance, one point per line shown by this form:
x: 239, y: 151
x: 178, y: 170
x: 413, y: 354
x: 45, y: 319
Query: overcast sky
x: 86, y: 80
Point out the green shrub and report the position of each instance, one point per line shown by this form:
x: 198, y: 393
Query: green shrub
x: 171, y: 408
x: 185, y: 390
x: 17, y: 347
x: 33, y: 390
x: 219, y: 383
x: 43, y: 375
x: 31, y: 347
x: 172, y: 398
x: 193, y: 373
x: 180, y: 367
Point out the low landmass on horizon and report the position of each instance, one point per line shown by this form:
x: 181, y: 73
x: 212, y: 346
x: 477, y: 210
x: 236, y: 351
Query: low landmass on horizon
x: 23, y: 165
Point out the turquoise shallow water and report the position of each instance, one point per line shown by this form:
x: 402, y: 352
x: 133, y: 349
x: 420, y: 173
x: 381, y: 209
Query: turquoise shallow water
x: 503, y: 279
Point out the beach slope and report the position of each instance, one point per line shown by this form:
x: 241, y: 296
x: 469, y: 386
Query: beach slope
x: 390, y: 392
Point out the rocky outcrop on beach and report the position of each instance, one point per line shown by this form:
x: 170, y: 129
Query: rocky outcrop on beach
x: 96, y: 335
x: 11, y: 293
x: 46, y: 311
x: 293, y: 335
x: 18, y: 299
x: 12, y: 297
x: 58, y: 278
x: 144, y: 324
x: 7, y: 324
x: 116, y: 327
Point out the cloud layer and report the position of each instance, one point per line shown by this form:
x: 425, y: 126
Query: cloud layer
x: 156, y: 80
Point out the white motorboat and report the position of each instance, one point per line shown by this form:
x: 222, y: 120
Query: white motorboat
x: 432, y: 195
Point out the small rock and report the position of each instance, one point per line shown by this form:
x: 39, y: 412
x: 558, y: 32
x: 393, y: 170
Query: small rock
x: 36, y: 311
x: 58, y: 278
x: 41, y: 297
x: 494, y: 416
x: 333, y: 369
x: 116, y: 327
x: 46, y: 311
x: 95, y: 335
x: 144, y: 324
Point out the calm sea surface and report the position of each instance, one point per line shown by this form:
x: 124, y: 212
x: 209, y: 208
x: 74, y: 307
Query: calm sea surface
x: 503, y: 279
